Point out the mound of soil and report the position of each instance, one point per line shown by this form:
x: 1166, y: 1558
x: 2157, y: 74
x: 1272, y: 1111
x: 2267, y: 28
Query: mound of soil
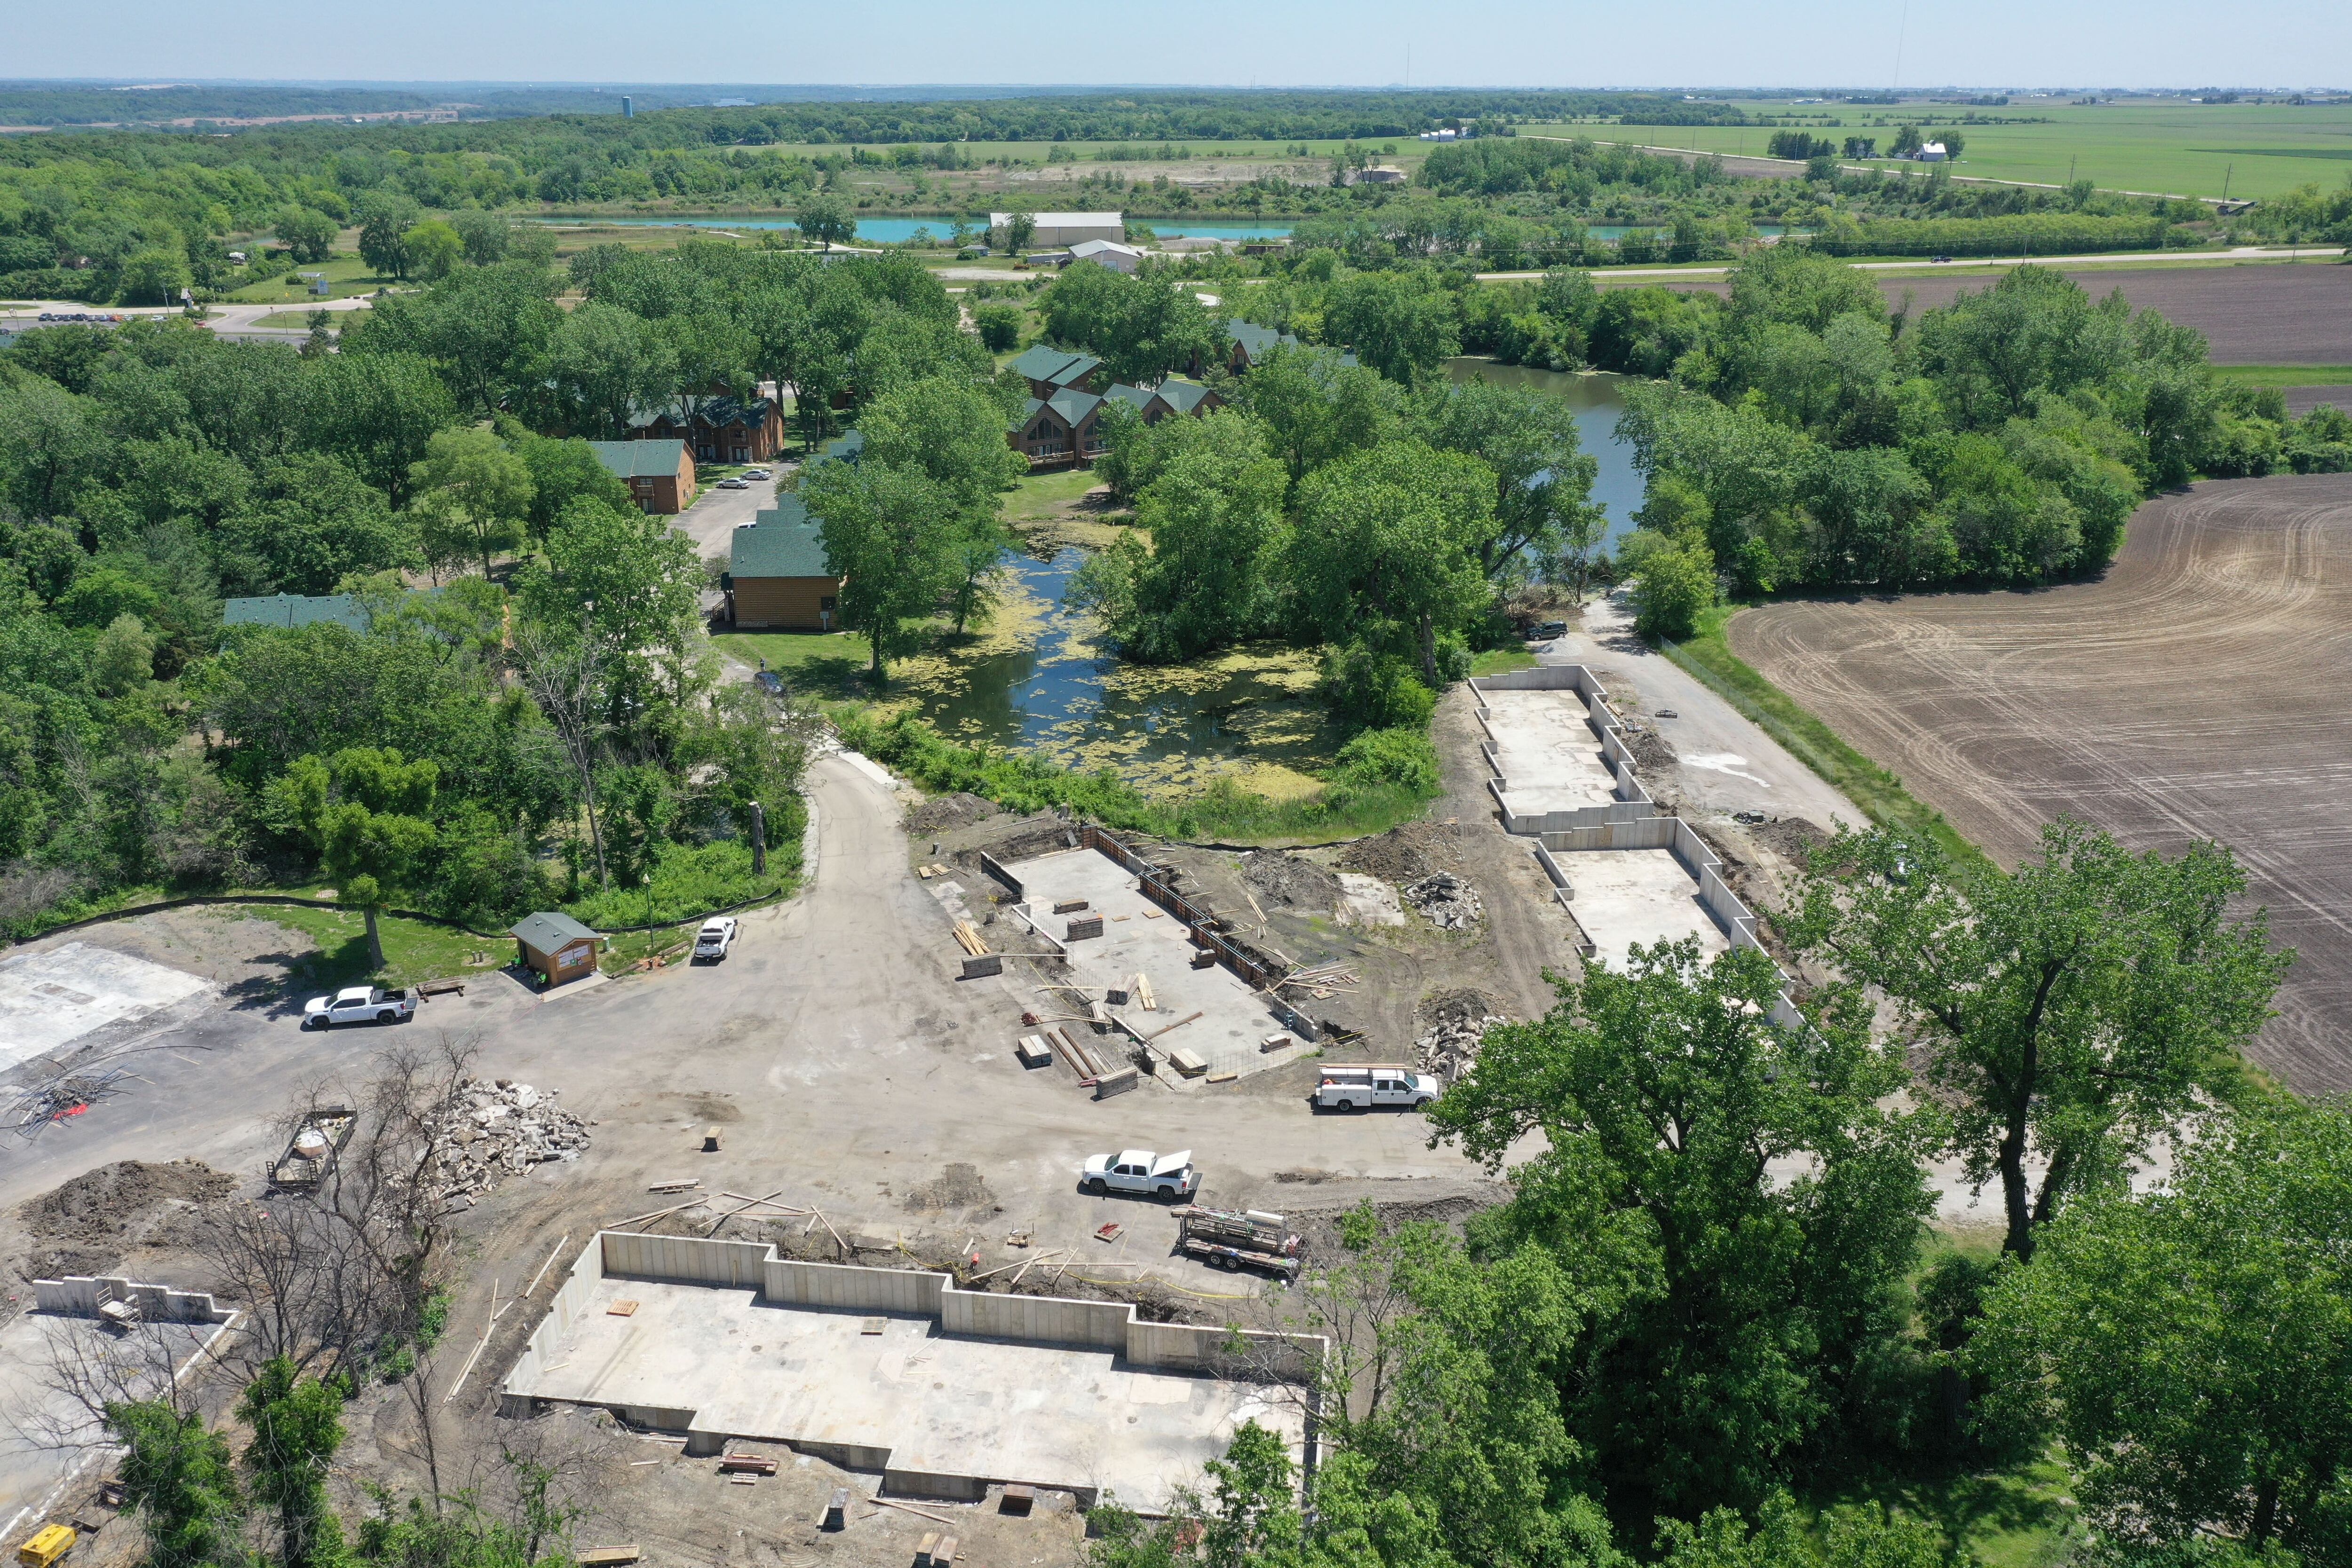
x: 85, y: 1225
x: 115, y: 1202
x: 1650, y: 749
x: 946, y: 813
x: 1789, y: 837
x: 959, y: 1186
x: 1281, y: 878
x: 1404, y: 854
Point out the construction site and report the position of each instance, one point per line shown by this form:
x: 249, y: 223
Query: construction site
x: 826, y: 1266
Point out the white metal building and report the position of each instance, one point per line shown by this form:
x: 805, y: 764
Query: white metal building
x: 1061, y: 229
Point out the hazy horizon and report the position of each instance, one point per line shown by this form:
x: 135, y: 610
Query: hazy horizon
x: 976, y: 44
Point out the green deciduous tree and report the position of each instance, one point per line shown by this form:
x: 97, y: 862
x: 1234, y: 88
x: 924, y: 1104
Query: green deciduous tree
x: 1400, y: 324
x: 826, y: 219
x: 297, y: 1426
x: 182, y: 1479
x: 1729, y: 1186
x: 1543, y: 478
x: 308, y: 233
x: 385, y: 217
x: 892, y: 536
x: 472, y: 495
x: 433, y: 249
x: 1391, y: 536
x: 2072, y: 1012
x: 2192, y: 1348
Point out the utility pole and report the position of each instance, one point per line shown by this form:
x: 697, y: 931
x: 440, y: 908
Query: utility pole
x: 759, y: 840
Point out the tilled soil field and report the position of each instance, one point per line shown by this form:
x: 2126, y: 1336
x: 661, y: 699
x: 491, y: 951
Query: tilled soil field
x: 2261, y: 313
x: 2196, y: 690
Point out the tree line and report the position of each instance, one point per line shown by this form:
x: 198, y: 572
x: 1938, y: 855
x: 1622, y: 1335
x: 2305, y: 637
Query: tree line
x: 1711, y: 1291
x: 544, y: 727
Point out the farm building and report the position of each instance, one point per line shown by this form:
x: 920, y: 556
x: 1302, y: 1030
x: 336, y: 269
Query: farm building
x: 1060, y: 229
x: 659, y: 474
x: 556, y: 946
x: 776, y: 574
x: 1107, y: 253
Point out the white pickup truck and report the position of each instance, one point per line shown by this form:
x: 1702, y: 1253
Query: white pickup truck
x: 360, y: 1004
x: 710, y: 943
x: 1169, y: 1177
x: 1361, y: 1088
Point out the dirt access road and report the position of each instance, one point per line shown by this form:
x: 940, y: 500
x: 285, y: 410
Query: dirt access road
x: 2196, y: 690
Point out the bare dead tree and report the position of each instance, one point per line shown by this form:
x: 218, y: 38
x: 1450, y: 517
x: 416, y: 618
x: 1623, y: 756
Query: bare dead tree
x: 84, y: 1370
x: 566, y: 678
x: 335, y: 1276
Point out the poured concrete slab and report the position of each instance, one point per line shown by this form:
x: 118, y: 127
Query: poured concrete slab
x: 1545, y: 752
x: 52, y: 998
x: 1141, y: 937
x: 938, y: 1413
x: 1627, y: 896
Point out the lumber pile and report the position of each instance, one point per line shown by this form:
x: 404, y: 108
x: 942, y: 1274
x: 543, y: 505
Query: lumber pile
x: 968, y: 935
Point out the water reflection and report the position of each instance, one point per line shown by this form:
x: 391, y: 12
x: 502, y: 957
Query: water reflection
x: 1598, y: 399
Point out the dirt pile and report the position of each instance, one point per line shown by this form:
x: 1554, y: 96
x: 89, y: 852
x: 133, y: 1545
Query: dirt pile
x: 499, y: 1129
x: 1789, y: 837
x: 1650, y: 749
x: 959, y: 1186
x: 1281, y: 878
x: 1451, y: 1023
x: 85, y: 1225
x: 947, y: 813
x: 1450, y: 903
x: 1404, y: 854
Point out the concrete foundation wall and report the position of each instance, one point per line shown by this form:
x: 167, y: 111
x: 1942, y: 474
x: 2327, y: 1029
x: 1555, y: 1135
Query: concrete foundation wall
x: 687, y: 1258
x: 853, y: 1289
x: 1035, y: 1320
x: 79, y: 1295
x: 1029, y: 1320
x: 1632, y: 802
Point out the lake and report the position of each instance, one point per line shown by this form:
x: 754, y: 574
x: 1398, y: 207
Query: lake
x: 892, y: 230
x: 1597, y: 398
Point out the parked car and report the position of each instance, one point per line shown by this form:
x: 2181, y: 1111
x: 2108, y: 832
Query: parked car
x: 1363, y: 1088
x: 1548, y: 629
x: 1168, y: 1177
x: 360, y: 1004
x: 758, y: 474
x: 714, y: 938
x: 732, y: 483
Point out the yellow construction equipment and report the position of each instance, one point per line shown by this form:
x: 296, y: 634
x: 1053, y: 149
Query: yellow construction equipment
x: 49, y: 1543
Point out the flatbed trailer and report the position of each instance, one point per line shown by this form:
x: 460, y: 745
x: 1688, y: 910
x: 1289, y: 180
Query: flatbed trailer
x: 312, y: 1149
x: 1234, y: 1241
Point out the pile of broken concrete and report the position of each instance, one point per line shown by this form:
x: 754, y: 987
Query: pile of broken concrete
x: 1453, y: 1025
x: 502, y: 1129
x: 1450, y: 903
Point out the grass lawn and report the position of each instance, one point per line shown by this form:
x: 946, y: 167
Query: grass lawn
x: 412, y: 950
x: 347, y: 276
x: 1879, y: 794
x: 2017, y: 1518
x: 2168, y: 145
x: 1040, y: 496
x: 2285, y: 375
x: 1495, y: 660
x: 815, y: 664
x: 300, y: 318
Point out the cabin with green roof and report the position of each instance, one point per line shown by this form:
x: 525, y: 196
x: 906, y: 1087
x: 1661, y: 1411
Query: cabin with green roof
x: 659, y: 473
x: 776, y: 578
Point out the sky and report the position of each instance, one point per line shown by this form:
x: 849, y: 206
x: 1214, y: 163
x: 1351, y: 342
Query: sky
x: 1236, y: 43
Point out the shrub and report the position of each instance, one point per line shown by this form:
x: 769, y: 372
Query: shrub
x: 1374, y: 690
x: 1401, y: 757
x: 1000, y: 327
x: 1674, y: 587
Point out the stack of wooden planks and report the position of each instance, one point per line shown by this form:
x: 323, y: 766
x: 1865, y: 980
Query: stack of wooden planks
x: 969, y: 934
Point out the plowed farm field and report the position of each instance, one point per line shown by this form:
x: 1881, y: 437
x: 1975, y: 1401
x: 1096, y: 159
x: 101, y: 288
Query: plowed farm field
x: 2201, y: 689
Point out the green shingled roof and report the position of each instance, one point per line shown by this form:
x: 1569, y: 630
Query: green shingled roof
x: 639, y: 460
x: 779, y: 542
x: 1255, y: 340
x: 296, y: 610
x: 1059, y: 367
x: 1139, y: 397
x: 1181, y: 396
x: 549, y: 930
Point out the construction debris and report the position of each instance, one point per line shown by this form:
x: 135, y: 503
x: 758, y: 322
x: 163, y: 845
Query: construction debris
x: 499, y: 1129
x: 1450, y: 903
x: 1453, y: 1024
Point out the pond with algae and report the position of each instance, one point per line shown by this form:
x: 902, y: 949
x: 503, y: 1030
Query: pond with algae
x: 1038, y: 678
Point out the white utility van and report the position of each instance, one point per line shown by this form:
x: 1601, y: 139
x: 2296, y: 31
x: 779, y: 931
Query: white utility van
x: 1361, y: 1088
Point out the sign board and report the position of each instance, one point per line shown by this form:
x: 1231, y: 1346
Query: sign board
x: 578, y: 954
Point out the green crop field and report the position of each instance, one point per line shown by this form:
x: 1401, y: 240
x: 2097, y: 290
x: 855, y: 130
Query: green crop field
x: 2167, y: 145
